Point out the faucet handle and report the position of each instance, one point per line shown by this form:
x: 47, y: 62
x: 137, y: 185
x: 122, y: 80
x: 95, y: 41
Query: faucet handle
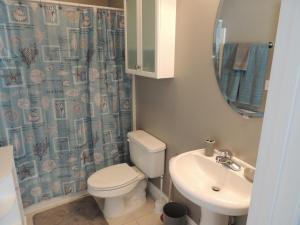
x: 226, y: 153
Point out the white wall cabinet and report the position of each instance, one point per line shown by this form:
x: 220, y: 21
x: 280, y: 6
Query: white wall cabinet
x: 150, y: 37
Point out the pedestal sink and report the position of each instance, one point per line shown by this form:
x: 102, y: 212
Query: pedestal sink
x: 218, y: 190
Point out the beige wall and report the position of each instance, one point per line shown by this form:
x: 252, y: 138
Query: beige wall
x: 116, y: 3
x: 245, y: 22
x: 90, y: 2
x: 108, y: 3
x: 184, y: 111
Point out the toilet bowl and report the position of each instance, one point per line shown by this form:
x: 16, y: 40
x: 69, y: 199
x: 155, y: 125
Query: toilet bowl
x: 120, y: 189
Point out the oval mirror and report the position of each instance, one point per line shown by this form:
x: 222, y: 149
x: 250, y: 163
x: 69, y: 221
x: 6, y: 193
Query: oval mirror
x: 245, y: 33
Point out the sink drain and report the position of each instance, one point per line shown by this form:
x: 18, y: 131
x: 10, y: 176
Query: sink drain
x: 216, y: 189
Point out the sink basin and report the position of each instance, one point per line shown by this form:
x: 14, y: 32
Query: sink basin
x: 217, y: 189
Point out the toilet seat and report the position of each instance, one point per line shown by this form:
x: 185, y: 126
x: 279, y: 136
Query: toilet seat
x: 113, y: 177
x: 114, y: 181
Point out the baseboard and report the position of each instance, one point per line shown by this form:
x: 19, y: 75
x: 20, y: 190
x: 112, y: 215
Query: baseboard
x: 157, y: 194
x: 54, y: 202
x: 190, y: 221
x: 24, y: 220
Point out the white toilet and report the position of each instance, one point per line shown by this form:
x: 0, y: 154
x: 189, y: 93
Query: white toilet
x: 120, y: 189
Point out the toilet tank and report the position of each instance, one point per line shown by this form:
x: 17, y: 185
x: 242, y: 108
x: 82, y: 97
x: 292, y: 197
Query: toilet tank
x: 147, y: 153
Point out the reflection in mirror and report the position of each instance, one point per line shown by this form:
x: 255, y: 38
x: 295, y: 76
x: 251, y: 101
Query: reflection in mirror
x: 243, y: 50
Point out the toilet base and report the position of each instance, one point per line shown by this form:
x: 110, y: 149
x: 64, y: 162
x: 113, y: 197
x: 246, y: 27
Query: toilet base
x: 124, y: 204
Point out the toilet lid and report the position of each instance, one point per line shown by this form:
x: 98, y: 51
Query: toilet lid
x: 112, y: 177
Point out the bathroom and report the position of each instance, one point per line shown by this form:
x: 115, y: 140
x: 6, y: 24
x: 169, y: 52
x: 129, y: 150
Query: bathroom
x: 180, y: 108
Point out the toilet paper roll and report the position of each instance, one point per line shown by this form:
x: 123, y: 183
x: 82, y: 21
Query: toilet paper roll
x: 209, y: 147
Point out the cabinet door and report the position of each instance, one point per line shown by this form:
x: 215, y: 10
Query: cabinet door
x: 132, y: 44
x: 148, y: 35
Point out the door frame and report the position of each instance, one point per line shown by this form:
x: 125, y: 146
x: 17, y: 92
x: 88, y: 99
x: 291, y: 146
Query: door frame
x: 276, y: 190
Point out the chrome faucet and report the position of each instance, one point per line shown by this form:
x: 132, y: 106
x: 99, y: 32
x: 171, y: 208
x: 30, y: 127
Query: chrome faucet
x: 225, y: 159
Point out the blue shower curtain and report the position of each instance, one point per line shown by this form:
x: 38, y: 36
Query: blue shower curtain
x: 65, y: 100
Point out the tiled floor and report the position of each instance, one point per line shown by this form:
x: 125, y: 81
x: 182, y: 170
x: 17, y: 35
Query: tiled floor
x: 143, y: 216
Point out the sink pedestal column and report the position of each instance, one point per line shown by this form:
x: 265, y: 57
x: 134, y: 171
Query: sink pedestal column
x: 210, y: 218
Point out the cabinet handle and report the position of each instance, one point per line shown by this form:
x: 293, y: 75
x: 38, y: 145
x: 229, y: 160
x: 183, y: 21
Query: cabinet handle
x: 138, y: 67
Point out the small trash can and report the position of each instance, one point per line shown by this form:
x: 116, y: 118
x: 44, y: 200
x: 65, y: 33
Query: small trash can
x: 174, y: 214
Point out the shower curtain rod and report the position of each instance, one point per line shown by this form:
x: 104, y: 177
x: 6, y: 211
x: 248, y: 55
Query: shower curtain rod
x: 70, y: 4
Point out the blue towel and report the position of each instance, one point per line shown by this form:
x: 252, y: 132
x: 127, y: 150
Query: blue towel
x: 230, y: 79
x: 251, y: 88
x: 245, y: 87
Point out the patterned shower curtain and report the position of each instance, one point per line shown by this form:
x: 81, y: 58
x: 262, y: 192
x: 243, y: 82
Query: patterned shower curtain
x: 65, y: 100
